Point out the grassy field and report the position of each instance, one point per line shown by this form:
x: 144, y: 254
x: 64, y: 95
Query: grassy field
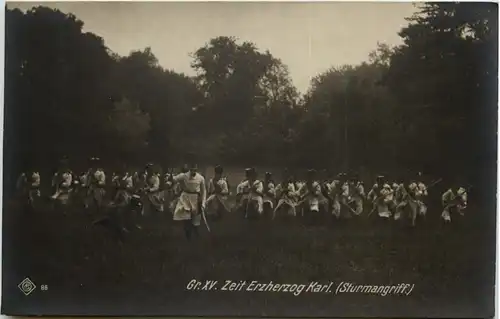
x: 87, y: 271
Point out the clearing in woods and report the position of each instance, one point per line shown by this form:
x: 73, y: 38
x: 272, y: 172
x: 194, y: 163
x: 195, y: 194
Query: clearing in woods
x: 86, y: 268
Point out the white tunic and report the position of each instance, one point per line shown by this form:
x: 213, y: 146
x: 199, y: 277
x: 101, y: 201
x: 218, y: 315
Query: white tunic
x: 373, y: 193
x: 270, y: 194
x: 84, y: 180
x: 299, y: 185
x: 357, y: 195
x: 33, y: 182
x: 62, y: 183
x: 125, y: 187
x: 419, y: 192
x: 287, y: 195
x: 450, y: 200
x: 218, y: 193
x: 99, y: 178
x: 382, y: 198
x: 31, y: 186
x: 243, y: 190
x: 152, y: 196
x: 345, y: 193
x: 97, y: 182
x: 194, y: 192
x: 253, y: 189
x: 311, y: 193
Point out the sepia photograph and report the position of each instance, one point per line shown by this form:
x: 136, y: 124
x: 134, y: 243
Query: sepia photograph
x: 250, y: 159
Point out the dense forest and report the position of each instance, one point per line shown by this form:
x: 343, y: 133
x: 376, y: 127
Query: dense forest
x: 428, y: 104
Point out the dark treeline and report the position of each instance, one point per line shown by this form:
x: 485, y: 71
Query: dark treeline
x: 428, y: 104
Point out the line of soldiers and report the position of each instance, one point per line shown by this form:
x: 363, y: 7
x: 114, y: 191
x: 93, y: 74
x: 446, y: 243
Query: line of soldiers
x: 342, y: 197
x: 190, y: 197
x: 143, y: 193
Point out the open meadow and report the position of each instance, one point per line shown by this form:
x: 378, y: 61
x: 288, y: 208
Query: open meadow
x: 86, y: 269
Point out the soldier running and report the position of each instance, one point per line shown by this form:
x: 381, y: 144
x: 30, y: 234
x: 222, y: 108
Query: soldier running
x: 191, y: 204
x: 218, y: 190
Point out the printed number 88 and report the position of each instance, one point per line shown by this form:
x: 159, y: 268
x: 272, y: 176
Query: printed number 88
x: 44, y: 287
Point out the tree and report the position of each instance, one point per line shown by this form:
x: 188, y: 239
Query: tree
x: 443, y: 75
x: 350, y: 115
x: 422, y: 105
x: 129, y: 127
x: 381, y: 56
x: 276, y: 87
x: 228, y: 75
x: 58, y: 85
x: 166, y: 96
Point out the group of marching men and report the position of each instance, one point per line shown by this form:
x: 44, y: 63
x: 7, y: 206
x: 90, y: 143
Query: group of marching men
x: 343, y: 196
x: 190, y: 197
x: 143, y: 192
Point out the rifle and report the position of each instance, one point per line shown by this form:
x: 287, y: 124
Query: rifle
x: 303, y: 198
x: 284, y: 192
x: 452, y: 201
x: 431, y: 185
x: 404, y: 196
x: 218, y: 192
x: 267, y: 190
x: 252, y: 190
x: 374, y: 205
x: 350, y: 201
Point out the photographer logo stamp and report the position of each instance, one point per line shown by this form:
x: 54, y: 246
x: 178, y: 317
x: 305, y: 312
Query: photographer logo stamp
x: 27, y: 286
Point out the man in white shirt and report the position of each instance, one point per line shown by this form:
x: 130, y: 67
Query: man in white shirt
x: 151, y: 198
x: 96, y: 180
x: 192, y: 200
x: 218, y: 191
x: 62, y: 183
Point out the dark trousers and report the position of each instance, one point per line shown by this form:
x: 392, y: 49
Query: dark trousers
x: 190, y: 229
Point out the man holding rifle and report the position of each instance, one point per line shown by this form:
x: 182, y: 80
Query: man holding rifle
x: 218, y: 191
x: 382, y: 197
x: 62, y: 182
x: 286, y: 195
x: 453, y: 202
